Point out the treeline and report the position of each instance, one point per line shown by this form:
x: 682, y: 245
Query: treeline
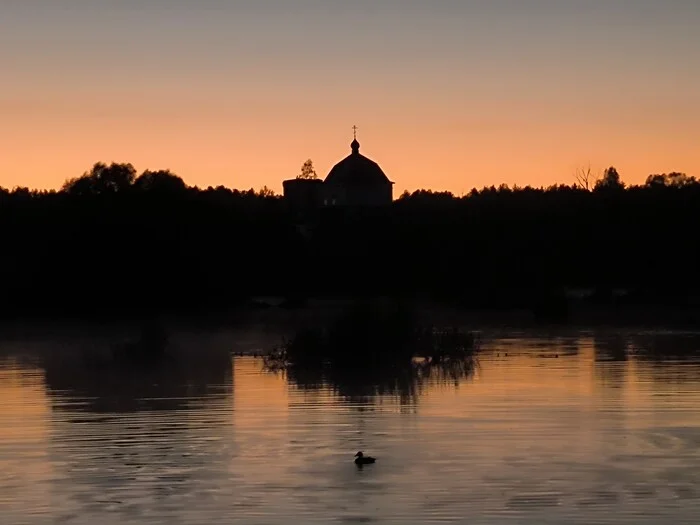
x: 112, y: 241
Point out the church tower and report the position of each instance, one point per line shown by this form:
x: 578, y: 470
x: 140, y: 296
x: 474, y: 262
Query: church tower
x: 357, y: 181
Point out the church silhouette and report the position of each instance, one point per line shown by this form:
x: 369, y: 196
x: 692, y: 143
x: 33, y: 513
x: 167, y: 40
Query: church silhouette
x: 356, y: 181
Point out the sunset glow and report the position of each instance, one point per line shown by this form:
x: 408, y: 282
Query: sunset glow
x: 448, y: 95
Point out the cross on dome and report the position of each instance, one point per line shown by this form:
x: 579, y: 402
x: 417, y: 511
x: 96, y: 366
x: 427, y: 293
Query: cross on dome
x: 355, y: 146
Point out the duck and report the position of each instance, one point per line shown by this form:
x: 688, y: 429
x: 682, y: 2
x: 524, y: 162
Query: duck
x: 361, y: 459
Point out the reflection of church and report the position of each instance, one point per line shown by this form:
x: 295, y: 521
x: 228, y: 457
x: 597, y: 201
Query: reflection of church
x: 355, y: 181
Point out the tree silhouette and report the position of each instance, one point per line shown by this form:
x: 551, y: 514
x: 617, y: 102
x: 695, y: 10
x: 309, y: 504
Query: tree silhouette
x: 102, y: 179
x: 110, y: 243
x: 161, y: 181
x: 307, y: 171
x: 673, y: 180
x: 585, y: 178
x: 610, y: 181
x: 266, y: 192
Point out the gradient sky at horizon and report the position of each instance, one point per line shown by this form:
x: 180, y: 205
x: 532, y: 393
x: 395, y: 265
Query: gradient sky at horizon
x: 447, y: 94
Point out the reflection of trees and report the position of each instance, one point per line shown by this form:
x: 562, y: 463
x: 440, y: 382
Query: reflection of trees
x: 110, y: 386
x: 664, y: 357
x: 610, y: 361
x: 650, y: 346
x: 666, y: 346
x: 368, y: 352
x: 610, y: 346
x: 406, y: 380
x: 130, y: 438
x: 668, y: 357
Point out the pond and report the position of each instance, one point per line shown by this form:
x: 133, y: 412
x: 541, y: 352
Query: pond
x: 579, y: 427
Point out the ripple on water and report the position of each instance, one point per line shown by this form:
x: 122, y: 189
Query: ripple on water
x: 584, y: 438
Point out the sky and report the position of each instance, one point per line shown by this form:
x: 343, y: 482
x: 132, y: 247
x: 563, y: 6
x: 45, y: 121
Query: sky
x: 446, y: 94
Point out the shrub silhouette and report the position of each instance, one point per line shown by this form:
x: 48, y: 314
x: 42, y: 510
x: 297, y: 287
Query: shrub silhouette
x: 373, y: 349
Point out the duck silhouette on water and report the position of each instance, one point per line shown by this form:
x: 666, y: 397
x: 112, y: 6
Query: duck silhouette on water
x: 361, y: 459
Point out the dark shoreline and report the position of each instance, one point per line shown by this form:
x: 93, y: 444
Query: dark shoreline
x: 272, y: 312
x: 114, y: 245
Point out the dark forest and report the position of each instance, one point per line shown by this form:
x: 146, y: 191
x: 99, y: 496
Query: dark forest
x: 114, y: 241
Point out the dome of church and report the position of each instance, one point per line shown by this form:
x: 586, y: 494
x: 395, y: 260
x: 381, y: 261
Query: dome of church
x: 357, y: 170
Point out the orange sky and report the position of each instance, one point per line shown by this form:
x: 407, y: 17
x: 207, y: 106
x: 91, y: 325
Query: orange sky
x: 452, y: 97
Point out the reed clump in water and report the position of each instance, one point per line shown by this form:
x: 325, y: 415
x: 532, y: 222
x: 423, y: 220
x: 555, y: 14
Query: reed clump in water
x: 375, y: 348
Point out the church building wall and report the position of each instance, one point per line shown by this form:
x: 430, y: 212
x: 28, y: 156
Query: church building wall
x: 303, y: 193
x: 338, y: 195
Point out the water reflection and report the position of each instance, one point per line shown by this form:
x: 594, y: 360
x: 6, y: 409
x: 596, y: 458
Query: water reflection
x: 24, y: 430
x: 365, y: 386
x: 552, y: 429
x: 366, y: 355
x: 611, y: 346
x: 116, y: 445
x: 106, y: 387
x: 665, y: 346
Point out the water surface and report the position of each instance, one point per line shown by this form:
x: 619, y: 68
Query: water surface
x: 577, y: 428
